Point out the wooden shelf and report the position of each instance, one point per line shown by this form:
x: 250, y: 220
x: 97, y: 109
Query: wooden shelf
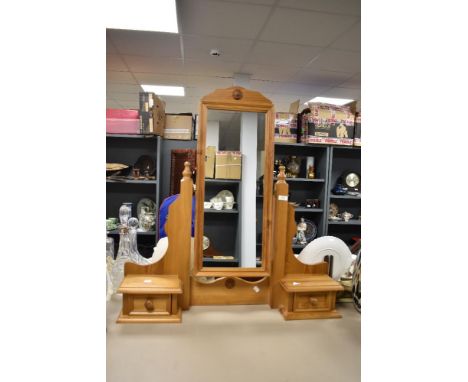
x: 133, y: 181
x: 350, y: 222
x: 316, y: 180
x: 144, y: 136
x: 212, y: 210
x: 305, y: 209
x: 344, y: 197
x: 211, y: 260
x: 221, y: 181
x: 147, y: 233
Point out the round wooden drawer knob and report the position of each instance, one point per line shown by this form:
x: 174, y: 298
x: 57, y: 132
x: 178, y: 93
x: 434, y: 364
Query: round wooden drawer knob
x: 229, y: 283
x: 149, y: 305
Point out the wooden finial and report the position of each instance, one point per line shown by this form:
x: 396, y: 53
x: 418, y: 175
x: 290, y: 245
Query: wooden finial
x: 187, y: 173
x: 282, y: 174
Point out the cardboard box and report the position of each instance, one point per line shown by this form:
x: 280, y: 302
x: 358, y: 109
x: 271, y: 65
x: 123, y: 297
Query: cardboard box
x: 153, y: 124
x: 286, y: 127
x: 122, y: 113
x: 210, y: 159
x: 179, y: 126
x: 329, y: 124
x: 122, y: 121
x: 357, y: 130
x: 228, y: 165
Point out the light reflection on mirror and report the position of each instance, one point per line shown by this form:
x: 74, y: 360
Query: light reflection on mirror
x: 233, y: 213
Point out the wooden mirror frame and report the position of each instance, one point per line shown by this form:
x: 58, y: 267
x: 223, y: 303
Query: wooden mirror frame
x: 236, y: 99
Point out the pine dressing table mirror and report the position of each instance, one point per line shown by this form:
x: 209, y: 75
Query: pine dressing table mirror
x: 234, y: 186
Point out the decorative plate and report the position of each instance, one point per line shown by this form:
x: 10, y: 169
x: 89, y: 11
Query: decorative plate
x: 148, y: 203
x: 146, y: 165
x: 206, y: 242
x: 311, y: 231
x: 315, y: 251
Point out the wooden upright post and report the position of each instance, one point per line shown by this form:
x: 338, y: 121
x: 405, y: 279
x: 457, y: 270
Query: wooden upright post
x: 179, y: 233
x: 280, y: 214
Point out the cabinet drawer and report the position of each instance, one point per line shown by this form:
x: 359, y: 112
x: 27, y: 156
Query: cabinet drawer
x: 307, y: 302
x: 148, y: 304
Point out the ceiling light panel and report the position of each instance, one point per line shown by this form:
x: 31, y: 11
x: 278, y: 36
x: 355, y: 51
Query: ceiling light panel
x: 143, y: 15
x: 332, y: 101
x: 165, y: 90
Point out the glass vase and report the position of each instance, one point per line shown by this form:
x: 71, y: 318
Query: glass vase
x: 135, y: 255
x: 123, y: 256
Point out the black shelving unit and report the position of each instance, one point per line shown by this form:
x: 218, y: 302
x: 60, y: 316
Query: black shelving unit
x: 330, y: 163
x: 222, y: 226
x: 342, y: 159
x: 126, y: 149
x: 301, y: 188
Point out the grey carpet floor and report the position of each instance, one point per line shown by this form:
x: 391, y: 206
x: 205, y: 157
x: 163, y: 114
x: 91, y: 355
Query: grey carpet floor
x: 234, y: 344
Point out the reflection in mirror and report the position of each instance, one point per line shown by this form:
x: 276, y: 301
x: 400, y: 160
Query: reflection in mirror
x: 234, y: 163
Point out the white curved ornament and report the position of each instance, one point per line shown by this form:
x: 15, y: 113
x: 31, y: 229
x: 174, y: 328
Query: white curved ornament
x: 160, y: 250
x: 317, y: 249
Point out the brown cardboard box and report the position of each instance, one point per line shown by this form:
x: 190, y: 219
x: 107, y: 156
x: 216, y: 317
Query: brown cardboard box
x: 178, y: 126
x: 210, y: 161
x: 228, y: 165
x: 152, y: 114
x: 286, y: 127
x: 357, y: 130
x: 328, y: 124
x: 159, y: 116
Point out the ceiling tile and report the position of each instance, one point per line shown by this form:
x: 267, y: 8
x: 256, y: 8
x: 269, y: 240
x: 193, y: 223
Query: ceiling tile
x: 120, y: 77
x: 160, y: 79
x: 110, y: 49
x: 114, y: 62
x: 270, y: 53
x: 122, y: 88
x: 351, y: 40
x: 208, y: 82
x: 209, y: 67
x: 295, y: 90
x: 320, y: 77
x: 352, y: 83
x: 264, y: 86
x: 164, y: 65
x: 130, y: 104
x: 264, y: 2
x: 198, y: 47
x: 140, y: 43
x: 338, y: 61
x: 222, y: 19
x: 339, y: 92
x: 268, y: 72
x: 347, y: 7
x: 308, y: 28
x: 123, y: 97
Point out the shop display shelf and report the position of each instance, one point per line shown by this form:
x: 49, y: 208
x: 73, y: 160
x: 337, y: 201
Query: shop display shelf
x: 146, y: 233
x: 212, y: 210
x: 134, y: 181
x: 211, y: 260
x: 304, y: 209
x: 350, y: 222
x: 146, y: 136
x: 221, y: 181
x: 316, y: 180
x: 344, y: 197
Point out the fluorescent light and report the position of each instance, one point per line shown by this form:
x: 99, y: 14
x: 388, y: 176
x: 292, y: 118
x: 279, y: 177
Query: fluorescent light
x: 332, y: 101
x: 142, y: 15
x: 164, y: 90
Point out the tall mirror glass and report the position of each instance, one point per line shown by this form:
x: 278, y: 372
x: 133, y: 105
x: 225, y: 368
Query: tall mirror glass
x: 233, y: 189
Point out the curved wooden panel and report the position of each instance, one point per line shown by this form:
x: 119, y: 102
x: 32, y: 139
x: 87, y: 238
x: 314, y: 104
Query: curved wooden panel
x: 230, y: 291
x: 237, y: 98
